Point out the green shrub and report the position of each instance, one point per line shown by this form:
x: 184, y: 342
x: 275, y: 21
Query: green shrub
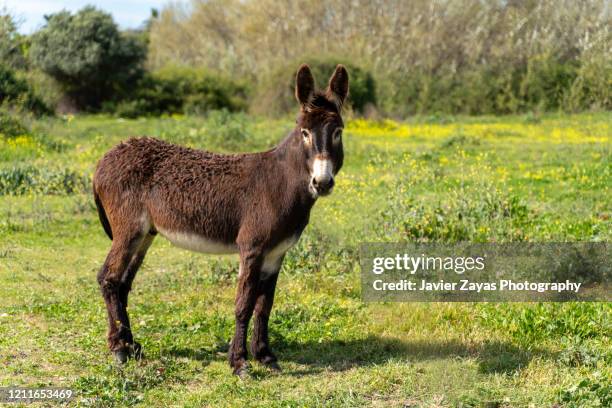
x: 32, y: 180
x: 540, y: 83
x: 477, y: 213
x: 577, y: 352
x: 592, y: 87
x: 131, y: 108
x: 46, y: 88
x: 180, y: 90
x: 546, y: 82
x: 16, y: 93
x: 593, y: 390
x: 11, y: 126
x: 12, y: 43
x: 203, y: 90
x: 88, y: 55
x: 275, y: 94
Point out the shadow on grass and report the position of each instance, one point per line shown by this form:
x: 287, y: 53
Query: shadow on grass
x: 338, y: 355
x: 205, y: 356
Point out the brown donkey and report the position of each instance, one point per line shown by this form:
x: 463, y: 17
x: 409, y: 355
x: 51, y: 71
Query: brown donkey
x: 254, y: 204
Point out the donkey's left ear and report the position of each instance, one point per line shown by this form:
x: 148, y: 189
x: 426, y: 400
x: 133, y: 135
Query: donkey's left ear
x: 338, y: 87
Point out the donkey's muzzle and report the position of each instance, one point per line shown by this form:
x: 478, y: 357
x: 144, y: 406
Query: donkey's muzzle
x: 322, y: 185
x: 322, y: 181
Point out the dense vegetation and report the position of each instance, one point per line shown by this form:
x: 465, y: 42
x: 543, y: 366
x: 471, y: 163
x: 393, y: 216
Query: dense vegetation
x: 519, y: 178
x: 16, y: 92
x: 449, y: 56
x: 405, y: 58
x: 180, y: 90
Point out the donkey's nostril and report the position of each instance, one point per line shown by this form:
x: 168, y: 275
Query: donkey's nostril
x: 323, y: 185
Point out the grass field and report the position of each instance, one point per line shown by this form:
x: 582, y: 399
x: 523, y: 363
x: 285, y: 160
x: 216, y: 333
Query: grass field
x: 480, y: 179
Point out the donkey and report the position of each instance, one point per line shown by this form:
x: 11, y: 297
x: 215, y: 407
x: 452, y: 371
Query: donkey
x: 253, y: 204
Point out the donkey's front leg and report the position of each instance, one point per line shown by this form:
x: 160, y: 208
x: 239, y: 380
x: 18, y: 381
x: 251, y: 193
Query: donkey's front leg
x: 250, y: 265
x: 260, y: 344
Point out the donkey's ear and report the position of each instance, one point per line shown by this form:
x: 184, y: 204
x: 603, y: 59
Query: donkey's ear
x: 305, y: 85
x: 338, y: 87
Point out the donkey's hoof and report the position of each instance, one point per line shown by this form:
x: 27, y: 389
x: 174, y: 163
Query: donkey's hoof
x: 121, y: 356
x: 136, y: 351
x: 270, y: 362
x: 243, y: 372
x: 274, y: 366
x: 130, y: 350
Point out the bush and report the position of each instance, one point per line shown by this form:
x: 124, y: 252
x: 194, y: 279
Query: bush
x: 540, y: 83
x: 31, y: 180
x: 477, y: 213
x: 546, y: 82
x: 593, y: 390
x: 11, y: 126
x: 201, y: 90
x: 130, y: 109
x: 11, y: 42
x: 47, y: 89
x: 591, y: 88
x: 181, y: 90
x: 15, y: 92
x: 275, y: 94
x: 87, y: 54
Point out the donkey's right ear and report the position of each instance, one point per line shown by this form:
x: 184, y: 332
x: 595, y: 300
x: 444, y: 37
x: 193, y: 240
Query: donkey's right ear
x: 304, y: 85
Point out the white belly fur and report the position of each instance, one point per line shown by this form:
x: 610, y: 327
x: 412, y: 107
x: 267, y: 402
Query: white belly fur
x: 195, y: 242
x: 273, y: 257
x: 198, y: 243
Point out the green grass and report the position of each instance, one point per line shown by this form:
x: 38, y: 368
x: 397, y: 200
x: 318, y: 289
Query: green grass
x: 430, y: 179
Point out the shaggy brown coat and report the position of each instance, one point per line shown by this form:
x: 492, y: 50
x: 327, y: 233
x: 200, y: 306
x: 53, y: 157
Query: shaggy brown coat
x: 255, y: 204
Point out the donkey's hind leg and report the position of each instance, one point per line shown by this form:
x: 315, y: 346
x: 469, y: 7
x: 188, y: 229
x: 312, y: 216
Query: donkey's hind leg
x: 126, y: 287
x: 115, y: 278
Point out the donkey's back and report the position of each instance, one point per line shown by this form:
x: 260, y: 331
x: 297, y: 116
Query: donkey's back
x: 146, y: 163
x: 155, y: 186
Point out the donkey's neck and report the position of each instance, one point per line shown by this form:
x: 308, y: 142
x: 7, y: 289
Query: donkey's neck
x: 291, y: 159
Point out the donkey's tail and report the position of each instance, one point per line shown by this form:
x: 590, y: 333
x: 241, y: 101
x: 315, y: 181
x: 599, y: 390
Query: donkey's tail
x: 102, y: 215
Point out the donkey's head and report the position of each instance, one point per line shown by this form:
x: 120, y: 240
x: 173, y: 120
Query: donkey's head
x: 320, y: 125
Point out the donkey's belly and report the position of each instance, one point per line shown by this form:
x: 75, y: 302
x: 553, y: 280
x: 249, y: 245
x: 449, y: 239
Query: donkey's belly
x: 273, y: 257
x: 198, y: 243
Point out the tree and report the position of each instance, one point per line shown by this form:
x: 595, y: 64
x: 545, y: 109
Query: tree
x: 11, y: 43
x: 88, y: 55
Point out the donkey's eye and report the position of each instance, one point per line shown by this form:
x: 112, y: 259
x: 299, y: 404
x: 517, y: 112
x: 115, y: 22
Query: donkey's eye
x: 337, y: 134
x: 306, y: 135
